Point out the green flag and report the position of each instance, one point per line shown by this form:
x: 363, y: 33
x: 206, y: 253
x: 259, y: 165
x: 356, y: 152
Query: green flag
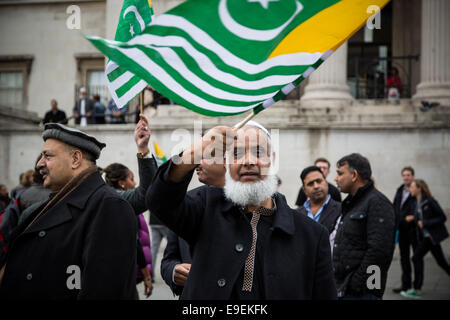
x: 123, y: 84
x: 225, y: 57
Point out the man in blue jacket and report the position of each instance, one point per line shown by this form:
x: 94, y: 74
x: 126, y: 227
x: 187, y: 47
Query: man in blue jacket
x: 249, y: 244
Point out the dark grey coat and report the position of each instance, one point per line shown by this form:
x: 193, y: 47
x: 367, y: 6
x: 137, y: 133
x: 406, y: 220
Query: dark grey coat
x: 365, y: 237
x: 297, y: 260
x: 329, y: 214
x: 92, y: 228
x: 136, y: 197
x: 177, y: 251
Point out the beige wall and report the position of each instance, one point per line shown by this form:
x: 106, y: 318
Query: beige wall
x: 40, y: 30
x: 388, y: 150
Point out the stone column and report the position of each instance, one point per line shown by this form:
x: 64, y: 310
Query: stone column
x: 434, y: 83
x: 327, y: 86
x: 113, y: 8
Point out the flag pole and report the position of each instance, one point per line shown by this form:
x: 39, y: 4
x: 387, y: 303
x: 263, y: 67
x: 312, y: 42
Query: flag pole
x: 243, y: 122
x: 141, y: 101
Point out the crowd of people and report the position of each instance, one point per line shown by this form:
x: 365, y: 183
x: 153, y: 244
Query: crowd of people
x: 72, y: 230
x: 88, y: 110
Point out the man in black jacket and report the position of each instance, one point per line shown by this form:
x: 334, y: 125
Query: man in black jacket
x: 248, y: 243
x: 364, y: 242
x: 176, y: 263
x: 320, y: 207
x: 405, y: 206
x: 79, y: 244
x: 55, y: 115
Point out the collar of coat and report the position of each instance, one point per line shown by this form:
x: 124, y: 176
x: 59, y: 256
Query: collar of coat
x: 350, y: 200
x: 283, y: 216
x: 77, y: 198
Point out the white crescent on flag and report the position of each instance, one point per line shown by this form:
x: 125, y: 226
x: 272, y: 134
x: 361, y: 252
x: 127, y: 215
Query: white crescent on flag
x: 137, y: 15
x: 253, y: 34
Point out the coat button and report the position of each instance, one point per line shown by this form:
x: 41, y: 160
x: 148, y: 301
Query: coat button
x: 221, y: 283
x: 42, y: 234
x: 347, y: 267
x: 239, y: 247
x: 29, y: 276
x: 361, y: 216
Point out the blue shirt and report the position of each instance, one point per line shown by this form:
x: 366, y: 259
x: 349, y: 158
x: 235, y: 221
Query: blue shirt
x: 316, y: 217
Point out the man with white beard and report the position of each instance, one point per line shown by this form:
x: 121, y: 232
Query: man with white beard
x: 249, y: 244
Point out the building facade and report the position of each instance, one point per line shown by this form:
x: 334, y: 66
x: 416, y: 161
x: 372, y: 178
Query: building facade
x: 342, y: 108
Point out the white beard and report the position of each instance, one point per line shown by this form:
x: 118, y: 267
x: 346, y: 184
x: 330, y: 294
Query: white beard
x: 245, y: 194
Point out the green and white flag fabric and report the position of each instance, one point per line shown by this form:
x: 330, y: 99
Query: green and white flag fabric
x: 123, y: 84
x: 225, y: 57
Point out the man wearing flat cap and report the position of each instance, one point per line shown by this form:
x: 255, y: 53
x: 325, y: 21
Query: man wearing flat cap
x: 81, y: 242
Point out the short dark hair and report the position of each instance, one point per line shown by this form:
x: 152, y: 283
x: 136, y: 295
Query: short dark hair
x: 322, y: 160
x: 308, y: 170
x: 408, y: 168
x: 357, y: 162
x: 88, y: 156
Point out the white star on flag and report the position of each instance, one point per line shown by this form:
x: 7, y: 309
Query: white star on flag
x: 263, y: 3
x: 131, y: 30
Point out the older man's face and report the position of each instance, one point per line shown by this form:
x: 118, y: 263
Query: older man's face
x: 250, y: 156
x: 55, y: 164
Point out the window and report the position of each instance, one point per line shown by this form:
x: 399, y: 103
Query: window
x: 11, y: 89
x: 14, y: 74
x: 96, y: 83
x: 91, y: 74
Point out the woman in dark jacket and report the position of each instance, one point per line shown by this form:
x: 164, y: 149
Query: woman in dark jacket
x: 431, y: 231
x: 120, y: 178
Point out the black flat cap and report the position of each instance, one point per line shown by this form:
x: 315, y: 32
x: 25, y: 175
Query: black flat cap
x: 73, y: 137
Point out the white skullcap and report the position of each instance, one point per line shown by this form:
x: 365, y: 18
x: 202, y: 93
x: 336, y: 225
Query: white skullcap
x: 255, y: 124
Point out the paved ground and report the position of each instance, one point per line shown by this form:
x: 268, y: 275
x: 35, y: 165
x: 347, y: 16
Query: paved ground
x: 436, y: 283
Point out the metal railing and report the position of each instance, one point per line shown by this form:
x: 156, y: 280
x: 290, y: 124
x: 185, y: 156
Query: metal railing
x: 367, y: 76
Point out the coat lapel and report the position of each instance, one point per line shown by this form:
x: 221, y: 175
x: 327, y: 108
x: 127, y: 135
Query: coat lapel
x: 60, y: 213
x: 284, y: 216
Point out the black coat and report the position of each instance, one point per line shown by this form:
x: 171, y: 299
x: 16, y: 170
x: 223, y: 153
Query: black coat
x: 177, y: 251
x: 329, y: 214
x: 297, y: 260
x: 365, y: 237
x: 408, y: 208
x: 55, y: 117
x: 332, y: 191
x: 92, y: 228
x: 434, y: 219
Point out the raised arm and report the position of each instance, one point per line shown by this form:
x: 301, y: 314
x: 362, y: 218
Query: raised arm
x: 146, y: 165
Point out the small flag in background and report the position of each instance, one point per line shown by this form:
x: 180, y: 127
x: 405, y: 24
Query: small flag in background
x: 159, y: 155
x: 225, y: 57
x: 122, y: 84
